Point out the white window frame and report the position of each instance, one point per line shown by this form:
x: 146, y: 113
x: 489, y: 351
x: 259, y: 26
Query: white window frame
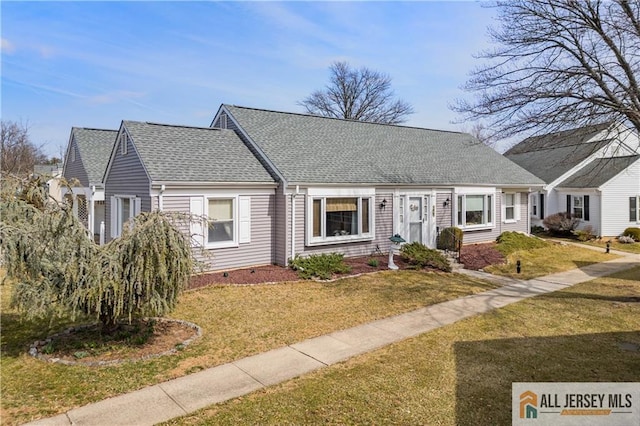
x: 236, y: 222
x: 331, y: 239
x: 533, y: 199
x: 637, y: 198
x: 573, y: 206
x: 515, y: 206
x: 117, y: 222
x: 489, y: 201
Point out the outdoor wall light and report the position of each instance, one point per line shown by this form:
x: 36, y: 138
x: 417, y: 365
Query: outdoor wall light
x: 383, y: 204
x: 446, y: 202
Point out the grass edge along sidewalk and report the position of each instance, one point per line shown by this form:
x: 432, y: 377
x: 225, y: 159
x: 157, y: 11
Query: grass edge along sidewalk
x: 177, y: 397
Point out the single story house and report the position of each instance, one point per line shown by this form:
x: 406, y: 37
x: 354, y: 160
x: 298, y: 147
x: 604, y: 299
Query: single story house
x: 86, y: 159
x: 276, y: 184
x: 53, y: 172
x: 592, y: 172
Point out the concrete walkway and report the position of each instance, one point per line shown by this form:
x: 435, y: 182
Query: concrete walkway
x: 186, y: 394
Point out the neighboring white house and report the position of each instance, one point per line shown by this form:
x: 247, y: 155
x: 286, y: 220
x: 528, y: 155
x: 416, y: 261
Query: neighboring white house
x: 85, y: 163
x: 591, y: 172
x: 54, y: 172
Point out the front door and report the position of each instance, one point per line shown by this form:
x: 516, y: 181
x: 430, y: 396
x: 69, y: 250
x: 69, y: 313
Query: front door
x: 414, y: 219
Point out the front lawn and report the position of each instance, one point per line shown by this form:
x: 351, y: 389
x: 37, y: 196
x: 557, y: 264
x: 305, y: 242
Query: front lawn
x: 555, y: 257
x: 461, y: 374
x: 236, y: 322
x: 615, y: 245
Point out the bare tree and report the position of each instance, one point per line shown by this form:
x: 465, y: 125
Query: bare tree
x: 481, y: 132
x: 558, y: 64
x: 357, y: 94
x: 19, y: 154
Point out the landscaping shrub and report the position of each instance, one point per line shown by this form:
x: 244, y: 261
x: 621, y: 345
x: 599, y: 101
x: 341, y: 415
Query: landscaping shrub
x: 510, y: 242
x: 537, y: 230
x: 448, y: 237
x: 373, y: 263
x: 321, y: 266
x: 625, y: 239
x: 585, y: 234
x: 561, y: 224
x: 421, y: 256
x: 633, y: 233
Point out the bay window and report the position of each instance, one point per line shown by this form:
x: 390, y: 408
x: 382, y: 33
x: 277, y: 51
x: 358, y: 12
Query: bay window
x: 339, y: 218
x: 475, y: 210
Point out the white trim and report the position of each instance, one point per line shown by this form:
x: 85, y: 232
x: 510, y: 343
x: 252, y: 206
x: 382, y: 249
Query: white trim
x: 244, y: 219
x: 341, y: 192
x: 516, y: 210
x: 310, y: 240
x: 236, y: 229
x: 488, y: 225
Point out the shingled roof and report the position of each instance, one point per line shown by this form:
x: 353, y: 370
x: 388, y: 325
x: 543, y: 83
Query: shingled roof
x: 194, y: 154
x: 94, y: 149
x: 311, y: 149
x: 552, y: 155
x: 598, y: 172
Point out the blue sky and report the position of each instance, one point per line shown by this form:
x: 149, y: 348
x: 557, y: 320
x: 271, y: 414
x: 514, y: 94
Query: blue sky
x: 93, y: 64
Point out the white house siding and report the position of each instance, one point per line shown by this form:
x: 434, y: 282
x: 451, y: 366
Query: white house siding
x: 259, y: 251
x: 75, y: 169
x: 126, y: 176
x: 615, y: 201
x: 383, y: 230
x: 594, y: 207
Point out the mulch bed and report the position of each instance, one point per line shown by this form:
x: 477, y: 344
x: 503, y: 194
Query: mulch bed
x: 275, y: 273
x: 478, y: 256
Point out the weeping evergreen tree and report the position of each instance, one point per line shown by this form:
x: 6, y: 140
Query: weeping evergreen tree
x: 58, y: 269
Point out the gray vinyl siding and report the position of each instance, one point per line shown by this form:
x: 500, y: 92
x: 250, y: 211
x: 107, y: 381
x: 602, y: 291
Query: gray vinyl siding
x: 126, y: 177
x: 487, y: 235
x: 259, y: 251
x: 383, y: 230
x: 444, y: 214
x: 75, y: 169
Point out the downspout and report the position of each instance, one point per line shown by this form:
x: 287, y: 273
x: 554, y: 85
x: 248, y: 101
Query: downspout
x: 293, y: 221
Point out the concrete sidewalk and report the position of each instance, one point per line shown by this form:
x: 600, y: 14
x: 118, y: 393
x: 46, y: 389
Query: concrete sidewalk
x: 186, y: 394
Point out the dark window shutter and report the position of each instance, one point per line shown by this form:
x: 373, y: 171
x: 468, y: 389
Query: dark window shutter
x: 633, y: 209
x: 586, y: 207
x: 541, y: 206
x: 569, y: 205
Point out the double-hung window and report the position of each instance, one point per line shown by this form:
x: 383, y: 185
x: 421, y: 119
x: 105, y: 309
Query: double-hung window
x: 578, y: 206
x: 534, y: 205
x: 475, y: 210
x: 340, y: 218
x: 220, y: 221
x: 634, y: 209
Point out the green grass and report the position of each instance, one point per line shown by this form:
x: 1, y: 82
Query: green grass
x: 461, y: 374
x: 553, y: 258
x: 236, y: 322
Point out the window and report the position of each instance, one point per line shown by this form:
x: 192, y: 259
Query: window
x: 578, y: 206
x: 223, y: 121
x: 225, y: 221
x: 73, y: 154
x: 221, y: 226
x: 475, y: 210
x: 340, y: 218
x: 534, y: 205
x: 633, y: 209
x: 509, y: 207
x: 123, y: 208
x: 578, y: 210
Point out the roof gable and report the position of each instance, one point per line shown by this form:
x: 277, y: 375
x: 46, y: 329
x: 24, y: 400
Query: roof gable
x: 94, y: 149
x: 311, y: 149
x: 598, y: 172
x: 194, y: 154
